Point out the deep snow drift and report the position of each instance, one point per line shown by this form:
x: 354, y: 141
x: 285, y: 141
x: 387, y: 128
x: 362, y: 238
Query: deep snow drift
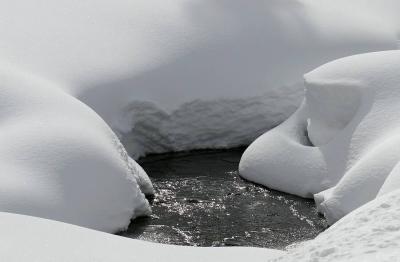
x: 237, y: 72
x: 342, y: 141
x: 226, y: 62
x: 60, y: 160
x: 122, y: 55
x: 25, y: 238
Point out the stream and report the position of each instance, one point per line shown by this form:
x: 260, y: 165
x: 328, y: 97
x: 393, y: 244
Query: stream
x: 201, y: 201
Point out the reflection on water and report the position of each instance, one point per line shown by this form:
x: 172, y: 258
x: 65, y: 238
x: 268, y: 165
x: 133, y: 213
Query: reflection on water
x: 201, y: 201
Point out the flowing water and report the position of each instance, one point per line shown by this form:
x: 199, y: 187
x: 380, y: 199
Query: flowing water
x: 201, y: 201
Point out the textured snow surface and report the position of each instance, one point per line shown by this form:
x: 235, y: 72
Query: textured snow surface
x: 25, y: 238
x: 60, y: 160
x: 135, y: 60
x: 205, y: 124
x: 370, y: 233
x: 232, y: 66
x: 185, y: 74
x: 344, y: 139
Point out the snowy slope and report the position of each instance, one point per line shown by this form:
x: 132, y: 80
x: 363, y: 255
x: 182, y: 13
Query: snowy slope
x: 370, y: 233
x: 25, y: 238
x: 247, y: 55
x: 165, y: 76
x: 115, y: 55
x: 60, y: 160
x: 343, y: 139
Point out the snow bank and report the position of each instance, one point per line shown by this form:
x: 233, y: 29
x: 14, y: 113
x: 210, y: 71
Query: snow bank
x: 216, y: 58
x: 370, y: 233
x: 204, y: 124
x: 63, y: 242
x: 240, y: 56
x: 342, y: 141
x: 59, y: 160
x: 165, y: 76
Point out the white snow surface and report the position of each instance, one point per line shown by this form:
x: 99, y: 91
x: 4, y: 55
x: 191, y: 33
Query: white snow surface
x: 392, y: 182
x: 343, y: 141
x: 25, y: 238
x: 186, y: 74
x: 60, y: 160
x: 370, y: 233
x: 140, y: 59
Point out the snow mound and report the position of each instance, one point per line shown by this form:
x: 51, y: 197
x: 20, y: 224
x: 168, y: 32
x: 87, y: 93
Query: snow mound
x: 341, y: 141
x: 370, y: 233
x: 60, y: 160
x: 173, y: 54
x: 240, y: 55
x: 63, y: 242
x: 197, y: 65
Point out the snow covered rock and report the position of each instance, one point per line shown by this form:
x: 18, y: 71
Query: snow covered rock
x: 60, y: 160
x: 25, y: 238
x: 370, y: 233
x: 342, y: 141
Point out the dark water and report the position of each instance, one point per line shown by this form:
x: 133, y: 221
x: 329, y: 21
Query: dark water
x: 201, y: 201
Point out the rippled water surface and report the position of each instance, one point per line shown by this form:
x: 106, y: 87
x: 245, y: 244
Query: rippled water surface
x: 201, y: 201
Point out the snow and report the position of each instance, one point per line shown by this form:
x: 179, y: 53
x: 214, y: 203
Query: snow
x: 204, y: 124
x: 239, y: 56
x: 341, y: 143
x: 60, y: 160
x: 187, y: 74
x: 130, y: 59
x: 61, y: 242
x: 371, y: 233
x: 392, y: 181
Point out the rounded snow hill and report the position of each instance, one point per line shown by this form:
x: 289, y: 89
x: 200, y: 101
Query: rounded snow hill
x: 189, y: 74
x: 342, y: 141
x: 167, y: 76
x: 63, y: 242
x: 60, y: 160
